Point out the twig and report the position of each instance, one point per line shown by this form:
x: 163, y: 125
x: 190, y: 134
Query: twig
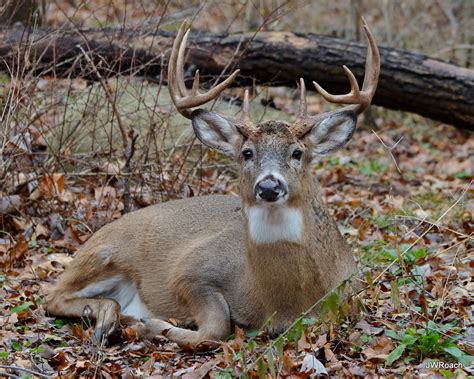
x: 446, y: 284
x: 390, y: 150
x: 17, y: 368
x: 127, y: 140
x: 434, y: 223
x: 108, y: 94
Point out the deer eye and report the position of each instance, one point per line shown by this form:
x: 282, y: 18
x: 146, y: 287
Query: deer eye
x: 247, y: 154
x: 297, y: 154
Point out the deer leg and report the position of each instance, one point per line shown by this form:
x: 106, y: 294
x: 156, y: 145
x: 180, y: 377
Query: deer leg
x: 212, y: 318
x: 106, y: 312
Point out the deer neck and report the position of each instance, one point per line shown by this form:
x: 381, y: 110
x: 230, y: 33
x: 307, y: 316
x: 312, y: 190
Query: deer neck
x: 277, y: 234
x: 289, y: 250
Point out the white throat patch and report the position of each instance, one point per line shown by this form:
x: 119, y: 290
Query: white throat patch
x: 269, y: 224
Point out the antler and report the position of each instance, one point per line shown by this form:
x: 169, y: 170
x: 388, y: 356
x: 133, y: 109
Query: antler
x: 359, y: 100
x: 183, y: 102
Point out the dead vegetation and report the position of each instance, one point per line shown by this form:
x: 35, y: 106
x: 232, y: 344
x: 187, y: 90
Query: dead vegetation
x: 75, y: 155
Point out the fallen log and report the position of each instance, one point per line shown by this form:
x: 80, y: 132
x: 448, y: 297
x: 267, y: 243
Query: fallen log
x: 408, y: 81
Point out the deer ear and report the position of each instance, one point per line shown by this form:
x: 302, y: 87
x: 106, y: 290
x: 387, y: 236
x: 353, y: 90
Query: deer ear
x: 216, y: 132
x: 332, y: 132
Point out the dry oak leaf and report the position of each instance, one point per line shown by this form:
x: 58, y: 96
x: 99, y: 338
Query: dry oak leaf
x: 17, y: 252
x: 379, y: 351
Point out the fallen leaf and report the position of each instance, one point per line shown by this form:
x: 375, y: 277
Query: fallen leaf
x: 312, y: 365
x: 379, y: 350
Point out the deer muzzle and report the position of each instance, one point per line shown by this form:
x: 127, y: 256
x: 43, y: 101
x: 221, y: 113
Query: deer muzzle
x: 271, y: 189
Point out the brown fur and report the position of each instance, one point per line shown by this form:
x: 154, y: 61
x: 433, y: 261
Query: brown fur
x: 192, y: 259
x: 197, y: 260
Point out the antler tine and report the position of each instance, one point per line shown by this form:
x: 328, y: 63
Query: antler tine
x: 360, y: 99
x: 183, y: 102
x: 352, y: 96
x: 372, y: 64
x: 195, y: 89
x: 301, y: 125
x: 303, y: 111
x: 245, y: 116
x: 180, y: 65
x: 173, y: 86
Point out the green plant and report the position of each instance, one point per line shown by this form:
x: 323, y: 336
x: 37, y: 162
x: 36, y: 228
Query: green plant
x: 380, y: 253
x: 22, y: 307
x: 373, y: 167
x: 429, y: 342
x: 226, y: 374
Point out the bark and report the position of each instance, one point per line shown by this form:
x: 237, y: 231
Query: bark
x: 408, y: 81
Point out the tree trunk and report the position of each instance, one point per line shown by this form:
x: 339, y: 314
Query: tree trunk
x: 408, y: 81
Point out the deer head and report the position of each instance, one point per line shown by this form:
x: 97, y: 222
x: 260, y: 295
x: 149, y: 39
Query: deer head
x: 274, y: 156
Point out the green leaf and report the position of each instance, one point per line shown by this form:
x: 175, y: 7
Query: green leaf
x: 462, y: 175
x: 298, y: 332
x: 253, y: 333
x: 454, y: 351
x: 446, y: 373
x: 460, y: 355
x: 16, y: 346
x: 310, y: 321
x: 3, y: 354
x: 392, y: 334
x: 279, y: 347
x: 271, y: 363
x: 430, y: 343
x: 452, y: 339
x: 59, y: 322
x: 395, y: 354
x: 22, y: 307
x: 37, y: 350
x: 408, y: 340
x: 251, y: 345
x: 419, y: 253
x: 261, y: 369
x: 223, y: 375
x: 330, y: 307
x: 408, y: 359
x: 39, y: 300
x: 33, y: 244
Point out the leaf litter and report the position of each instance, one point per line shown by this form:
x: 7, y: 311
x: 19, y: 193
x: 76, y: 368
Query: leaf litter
x: 410, y: 229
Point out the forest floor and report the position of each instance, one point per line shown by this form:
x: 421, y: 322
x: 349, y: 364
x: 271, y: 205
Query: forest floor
x: 401, y: 192
x: 402, y: 195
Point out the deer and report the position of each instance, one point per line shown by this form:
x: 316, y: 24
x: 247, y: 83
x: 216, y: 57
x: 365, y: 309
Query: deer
x: 217, y: 261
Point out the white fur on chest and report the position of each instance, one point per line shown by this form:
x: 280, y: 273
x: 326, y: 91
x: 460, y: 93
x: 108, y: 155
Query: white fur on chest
x: 269, y: 224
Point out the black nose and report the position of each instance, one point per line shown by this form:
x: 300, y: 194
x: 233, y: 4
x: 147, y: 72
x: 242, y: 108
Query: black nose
x: 270, y: 189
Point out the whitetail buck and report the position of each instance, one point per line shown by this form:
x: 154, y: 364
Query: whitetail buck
x: 216, y: 261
